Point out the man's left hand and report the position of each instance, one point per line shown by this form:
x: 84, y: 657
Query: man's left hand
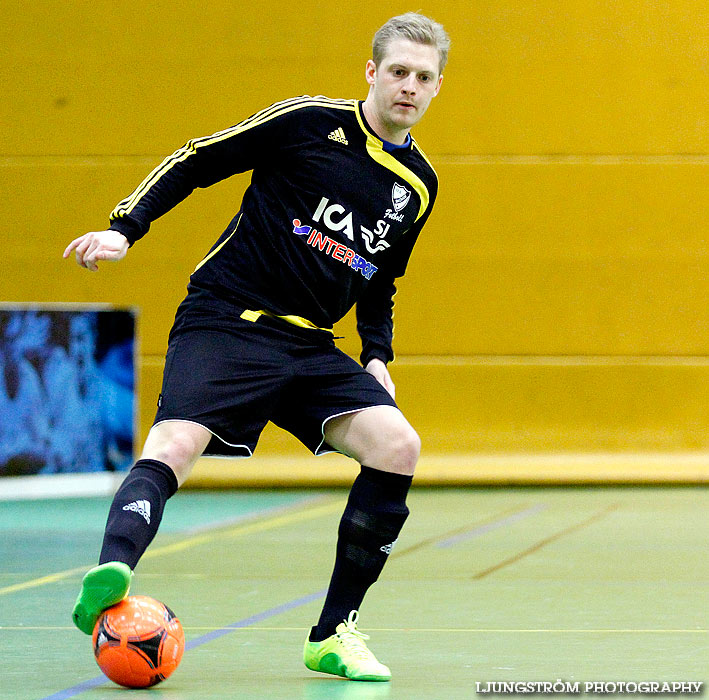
x: 379, y: 371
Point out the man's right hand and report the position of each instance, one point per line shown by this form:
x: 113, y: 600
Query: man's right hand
x: 98, y: 245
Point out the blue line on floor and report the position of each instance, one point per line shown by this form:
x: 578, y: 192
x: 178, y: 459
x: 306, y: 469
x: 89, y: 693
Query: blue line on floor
x: 259, y: 617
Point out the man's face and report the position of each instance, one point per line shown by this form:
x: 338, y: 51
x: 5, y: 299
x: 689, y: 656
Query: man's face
x: 403, y: 85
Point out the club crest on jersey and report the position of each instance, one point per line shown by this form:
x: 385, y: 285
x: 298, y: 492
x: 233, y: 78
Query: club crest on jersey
x: 400, y: 196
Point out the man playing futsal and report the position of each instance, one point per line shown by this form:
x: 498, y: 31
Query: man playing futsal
x: 339, y: 194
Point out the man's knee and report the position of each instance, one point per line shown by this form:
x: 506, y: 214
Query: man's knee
x: 398, y: 450
x: 178, y: 450
x: 379, y: 437
x: 177, y: 444
x: 408, y: 449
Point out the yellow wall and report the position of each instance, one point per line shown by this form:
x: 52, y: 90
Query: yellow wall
x: 558, y: 297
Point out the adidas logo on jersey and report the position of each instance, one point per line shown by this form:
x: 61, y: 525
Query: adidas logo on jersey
x: 387, y: 548
x: 339, y: 136
x: 140, y: 507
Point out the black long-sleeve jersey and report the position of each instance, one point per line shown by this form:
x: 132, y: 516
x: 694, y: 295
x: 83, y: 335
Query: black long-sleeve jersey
x: 329, y: 220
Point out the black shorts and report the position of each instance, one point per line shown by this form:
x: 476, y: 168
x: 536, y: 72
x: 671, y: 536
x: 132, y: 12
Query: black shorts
x: 232, y: 376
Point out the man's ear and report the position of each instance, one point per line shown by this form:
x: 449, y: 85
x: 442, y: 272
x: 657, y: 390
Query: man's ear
x: 370, y: 71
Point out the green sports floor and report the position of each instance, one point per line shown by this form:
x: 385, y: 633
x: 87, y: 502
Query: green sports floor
x: 485, y: 584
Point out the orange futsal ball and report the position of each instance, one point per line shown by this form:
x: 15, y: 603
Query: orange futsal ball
x: 138, y: 642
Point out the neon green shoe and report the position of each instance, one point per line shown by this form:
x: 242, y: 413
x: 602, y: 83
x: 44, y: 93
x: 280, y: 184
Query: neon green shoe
x: 345, y: 654
x: 102, y: 587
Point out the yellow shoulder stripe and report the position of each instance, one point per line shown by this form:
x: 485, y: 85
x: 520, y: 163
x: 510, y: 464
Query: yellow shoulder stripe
x: 375, y: 148
x: 190, y: 148
x: 424, y: 156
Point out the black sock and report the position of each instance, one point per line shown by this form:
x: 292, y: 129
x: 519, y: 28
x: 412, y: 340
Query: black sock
x: 375, y: 513
x: 136, y: 511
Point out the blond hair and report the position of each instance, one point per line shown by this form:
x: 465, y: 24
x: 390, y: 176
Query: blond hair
x: 415, y: 27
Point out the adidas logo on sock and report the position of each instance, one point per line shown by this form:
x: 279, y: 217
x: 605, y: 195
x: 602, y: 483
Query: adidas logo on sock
x: 140, y: 507
x: 339, y: 136
x: 387, y: 547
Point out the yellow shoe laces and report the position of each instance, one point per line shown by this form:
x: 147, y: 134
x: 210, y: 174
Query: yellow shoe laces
x: 352, y: 639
